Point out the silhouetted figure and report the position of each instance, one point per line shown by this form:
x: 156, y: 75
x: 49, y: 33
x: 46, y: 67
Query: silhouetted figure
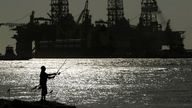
x: 43, y: 82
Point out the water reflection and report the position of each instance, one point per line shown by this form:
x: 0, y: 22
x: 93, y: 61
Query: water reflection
x: 111, y: 82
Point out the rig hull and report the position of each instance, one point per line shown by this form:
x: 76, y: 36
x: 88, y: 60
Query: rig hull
x: 41, y: 41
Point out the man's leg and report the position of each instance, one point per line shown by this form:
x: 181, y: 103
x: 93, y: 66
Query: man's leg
x: 45, y: 98
x: 41, y: 94
x: 41, y: 98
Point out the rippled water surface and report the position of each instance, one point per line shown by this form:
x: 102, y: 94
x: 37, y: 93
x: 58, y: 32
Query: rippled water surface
x: 103, y: 83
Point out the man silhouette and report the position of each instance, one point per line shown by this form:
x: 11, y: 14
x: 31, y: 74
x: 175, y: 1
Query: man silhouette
x: 43, y: 82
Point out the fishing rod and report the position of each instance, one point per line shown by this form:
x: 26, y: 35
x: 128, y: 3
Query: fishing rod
x: 61, y: 67
x: 58, y: 73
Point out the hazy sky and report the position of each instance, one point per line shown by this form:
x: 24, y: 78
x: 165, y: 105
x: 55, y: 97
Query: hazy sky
x: 179, y: 11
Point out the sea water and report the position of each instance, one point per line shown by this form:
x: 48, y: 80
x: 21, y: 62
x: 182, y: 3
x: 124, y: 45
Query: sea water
x: 102, y: 83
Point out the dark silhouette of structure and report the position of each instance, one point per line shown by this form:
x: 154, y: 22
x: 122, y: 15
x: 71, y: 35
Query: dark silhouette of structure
x: 62, y: 36
x: 9, y: 52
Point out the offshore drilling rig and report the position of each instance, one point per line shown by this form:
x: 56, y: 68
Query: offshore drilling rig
x: 61, y: 36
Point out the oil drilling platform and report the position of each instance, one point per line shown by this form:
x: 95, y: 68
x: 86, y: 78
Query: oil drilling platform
x: 61, y: 36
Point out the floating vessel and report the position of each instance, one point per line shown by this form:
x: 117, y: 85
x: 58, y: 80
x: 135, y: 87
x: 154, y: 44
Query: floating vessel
x: 10, y: 55
x: 61, y: 36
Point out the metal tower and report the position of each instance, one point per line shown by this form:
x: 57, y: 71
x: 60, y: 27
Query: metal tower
x: 149, y: 13
x: 59, y: 9
x: 115, y: 11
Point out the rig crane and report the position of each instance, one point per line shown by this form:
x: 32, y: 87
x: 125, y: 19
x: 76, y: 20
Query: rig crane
x: 84, y: 16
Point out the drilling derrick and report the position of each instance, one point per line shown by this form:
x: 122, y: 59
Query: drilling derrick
x: 149, y: 13
x: 115, y: 11
x: 59, y: 9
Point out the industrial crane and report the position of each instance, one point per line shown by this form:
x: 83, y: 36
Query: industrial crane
x: 84, y: 16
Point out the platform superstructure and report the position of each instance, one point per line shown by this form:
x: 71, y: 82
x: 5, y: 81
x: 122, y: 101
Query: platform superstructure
x: 62, y: 36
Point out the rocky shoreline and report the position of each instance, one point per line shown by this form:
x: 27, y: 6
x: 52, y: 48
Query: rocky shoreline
x: 36, y: 104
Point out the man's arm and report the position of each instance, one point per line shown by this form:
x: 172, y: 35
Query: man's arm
x: 52, y: 75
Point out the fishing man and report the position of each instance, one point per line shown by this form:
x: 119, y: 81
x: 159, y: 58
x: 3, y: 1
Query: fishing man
x: 43, y: 82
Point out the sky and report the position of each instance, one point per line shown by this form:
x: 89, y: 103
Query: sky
x: 18, y: 11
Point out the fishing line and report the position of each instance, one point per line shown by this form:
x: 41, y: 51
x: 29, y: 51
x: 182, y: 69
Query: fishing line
x: 57, y: 73
x: 61, y: 88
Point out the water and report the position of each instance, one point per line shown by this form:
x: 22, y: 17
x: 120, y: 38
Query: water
x: 103, y: 83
